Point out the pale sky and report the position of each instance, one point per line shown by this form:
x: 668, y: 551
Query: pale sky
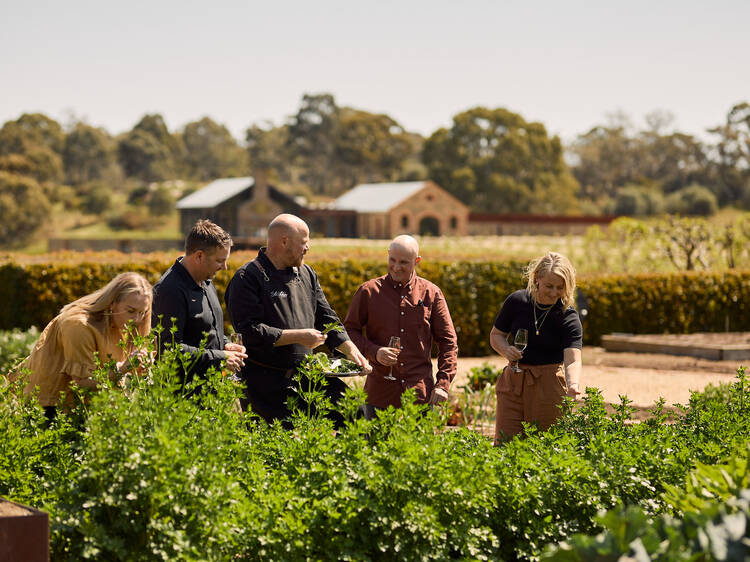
x: 566, y: 64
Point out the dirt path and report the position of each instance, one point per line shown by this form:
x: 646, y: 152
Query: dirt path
x: 642, y: 377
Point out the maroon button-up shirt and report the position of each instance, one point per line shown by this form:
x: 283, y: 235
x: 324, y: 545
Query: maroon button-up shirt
x: 416, y: 312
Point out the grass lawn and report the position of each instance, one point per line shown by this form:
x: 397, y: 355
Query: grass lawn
x: 472, y: 248
x: 162, y: 227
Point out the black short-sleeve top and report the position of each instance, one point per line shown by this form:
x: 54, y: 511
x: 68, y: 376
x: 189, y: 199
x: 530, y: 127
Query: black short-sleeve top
x: 558, y: 328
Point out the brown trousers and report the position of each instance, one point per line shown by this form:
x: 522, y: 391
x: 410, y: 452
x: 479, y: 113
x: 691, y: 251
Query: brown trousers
x: 533, y: 396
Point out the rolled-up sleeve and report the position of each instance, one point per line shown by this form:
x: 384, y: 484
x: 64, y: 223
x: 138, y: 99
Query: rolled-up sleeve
x: 444, y: 335
x: 355, y: 322
x: 324, y: 314
x: 244, y: 299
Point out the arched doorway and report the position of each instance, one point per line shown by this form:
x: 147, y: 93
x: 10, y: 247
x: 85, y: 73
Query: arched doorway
x: 429, y: 226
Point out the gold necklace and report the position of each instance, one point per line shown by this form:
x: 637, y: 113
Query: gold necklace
x: 538, y: 323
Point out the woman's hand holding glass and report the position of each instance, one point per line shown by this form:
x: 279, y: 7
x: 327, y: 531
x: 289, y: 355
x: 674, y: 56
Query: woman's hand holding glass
x: 519, y: 342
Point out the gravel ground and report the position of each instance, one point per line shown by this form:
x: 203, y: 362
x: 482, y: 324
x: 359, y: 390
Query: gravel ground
x: 642, y: 377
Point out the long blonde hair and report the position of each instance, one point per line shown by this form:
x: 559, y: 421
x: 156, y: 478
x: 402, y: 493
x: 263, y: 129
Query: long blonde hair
x: 99, y: 303
x: 552, y: 262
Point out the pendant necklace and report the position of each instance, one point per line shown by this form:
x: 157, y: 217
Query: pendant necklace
x: 538, y: 322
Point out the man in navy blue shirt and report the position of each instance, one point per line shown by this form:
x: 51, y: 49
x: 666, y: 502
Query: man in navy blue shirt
x: 186, y: 296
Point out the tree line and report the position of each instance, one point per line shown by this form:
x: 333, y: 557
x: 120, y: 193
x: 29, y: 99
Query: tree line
x: 492, y: 159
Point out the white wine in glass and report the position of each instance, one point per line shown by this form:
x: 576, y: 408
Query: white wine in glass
x: 236, y: 337
x: 394, y: 342
x: 520, y: 342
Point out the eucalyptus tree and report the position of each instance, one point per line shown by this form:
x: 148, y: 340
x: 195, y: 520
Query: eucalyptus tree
x: 494, y: 160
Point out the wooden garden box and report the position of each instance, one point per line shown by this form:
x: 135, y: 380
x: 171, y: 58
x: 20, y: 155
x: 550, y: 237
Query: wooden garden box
x: 24, y: 533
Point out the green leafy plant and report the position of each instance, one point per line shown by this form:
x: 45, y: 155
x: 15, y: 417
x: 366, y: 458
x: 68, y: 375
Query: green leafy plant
x: 332, y: 327
x: 325, y: 364
x: 483, y: 375
x: 15, y: 345
x: 712, y: 523
x: 146, y: 468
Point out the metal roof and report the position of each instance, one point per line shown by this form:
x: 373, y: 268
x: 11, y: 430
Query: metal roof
x: 215, y: 193
x: 377, y: 197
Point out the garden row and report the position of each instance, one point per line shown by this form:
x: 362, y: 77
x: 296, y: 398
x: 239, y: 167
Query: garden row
x: 646, y: 303
x: 146, y: 474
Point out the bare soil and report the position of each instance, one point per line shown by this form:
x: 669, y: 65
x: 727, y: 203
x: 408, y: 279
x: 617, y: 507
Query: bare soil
x: 8, y: 509
x: 642, y: 377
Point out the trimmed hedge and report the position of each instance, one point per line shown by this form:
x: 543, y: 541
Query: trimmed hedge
x: 647, y: 303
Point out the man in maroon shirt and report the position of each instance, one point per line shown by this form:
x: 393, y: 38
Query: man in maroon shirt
x: 405, y: 305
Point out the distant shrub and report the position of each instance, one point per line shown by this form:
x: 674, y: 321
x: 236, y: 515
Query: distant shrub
x: 64, y: 194
x: 96, y: 198
x: 129, y: 219
x: 138, y: 195
x: 634, y: 200
x: 160, y: 201
x: 694, y: 200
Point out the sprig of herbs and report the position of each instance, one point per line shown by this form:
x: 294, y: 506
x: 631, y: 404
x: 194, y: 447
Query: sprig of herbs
x: 332, y: 327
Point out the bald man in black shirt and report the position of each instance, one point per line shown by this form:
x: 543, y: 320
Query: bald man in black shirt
x: 277, y: 304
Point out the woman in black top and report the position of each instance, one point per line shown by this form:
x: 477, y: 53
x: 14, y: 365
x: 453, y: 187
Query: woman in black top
x: 550, y: 365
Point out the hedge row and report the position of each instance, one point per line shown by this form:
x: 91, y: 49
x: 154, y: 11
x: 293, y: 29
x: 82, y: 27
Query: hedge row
x: 645, y: 303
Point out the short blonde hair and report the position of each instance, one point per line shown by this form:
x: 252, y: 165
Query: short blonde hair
x: 552, y: 262
x: 97, y: 304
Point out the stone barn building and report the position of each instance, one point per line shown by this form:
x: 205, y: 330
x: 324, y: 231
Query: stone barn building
x: 385, y: 210
x: 241, y: 206
x: 245, y: 206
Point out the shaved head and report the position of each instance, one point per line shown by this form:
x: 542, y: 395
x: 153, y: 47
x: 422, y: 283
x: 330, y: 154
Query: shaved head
x: 403, y: 257
x: 285, y: 224
x: 406, y: 243
x: 288, y: 241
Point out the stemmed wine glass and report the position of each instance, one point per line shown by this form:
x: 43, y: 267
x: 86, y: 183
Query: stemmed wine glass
x: 520, y: 342
x: 235, y: 337
x: 395, y: 341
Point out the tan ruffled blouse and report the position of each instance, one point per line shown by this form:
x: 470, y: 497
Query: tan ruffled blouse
x: 63, y: 354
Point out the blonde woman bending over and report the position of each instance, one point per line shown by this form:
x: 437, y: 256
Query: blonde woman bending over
x: 96, y: 323
x: 548, y: 366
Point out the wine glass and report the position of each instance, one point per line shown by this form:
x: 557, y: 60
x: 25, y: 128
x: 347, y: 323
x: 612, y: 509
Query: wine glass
x: 520, y: 342
x: 395, y: 341
x: 236, y: 338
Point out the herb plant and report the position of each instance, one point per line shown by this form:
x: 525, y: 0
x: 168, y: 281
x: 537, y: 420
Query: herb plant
x: 149, y: 469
